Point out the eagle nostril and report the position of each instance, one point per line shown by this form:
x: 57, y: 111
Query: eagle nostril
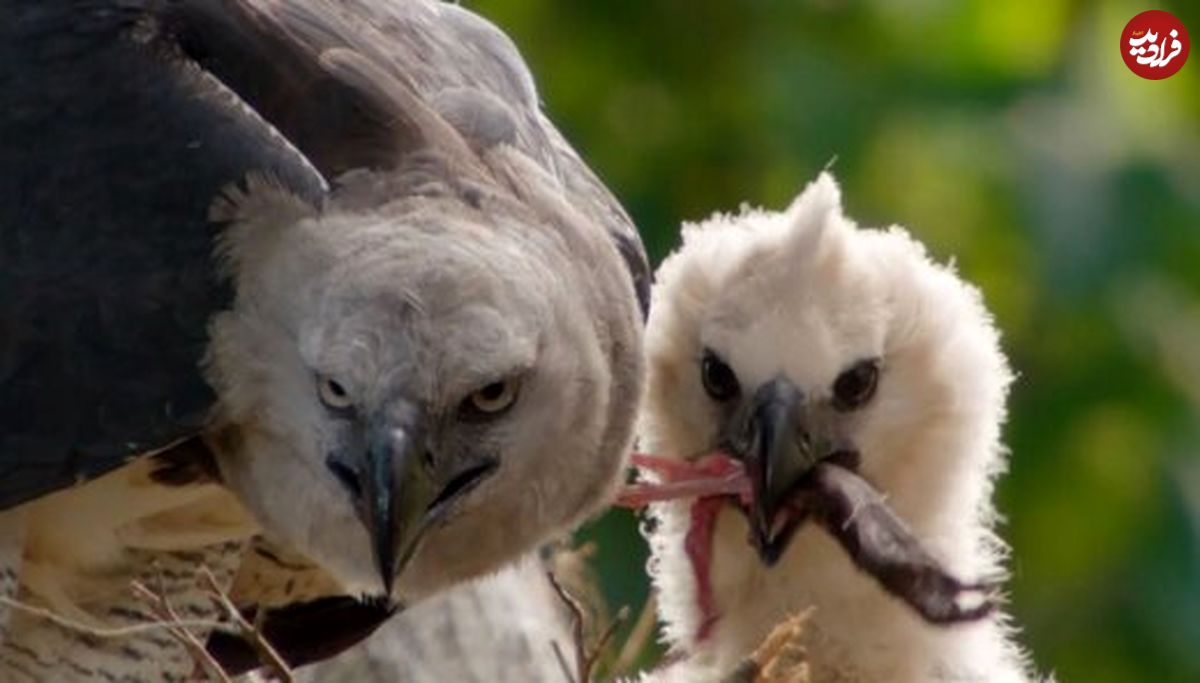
x: 346, y: 475
x: 804, y: 439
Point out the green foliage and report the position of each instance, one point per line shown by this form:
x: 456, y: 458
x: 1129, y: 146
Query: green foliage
x: 1010, y: 137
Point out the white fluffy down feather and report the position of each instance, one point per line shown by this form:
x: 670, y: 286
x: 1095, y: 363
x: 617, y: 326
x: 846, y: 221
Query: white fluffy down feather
x: 804, y: 294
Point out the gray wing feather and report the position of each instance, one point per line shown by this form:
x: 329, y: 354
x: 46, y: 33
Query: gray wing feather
x: 449, y: 62
x: 496, y: 67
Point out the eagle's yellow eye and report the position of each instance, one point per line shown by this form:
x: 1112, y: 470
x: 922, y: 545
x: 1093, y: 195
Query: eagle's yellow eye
x: 493, y: 399
x: 334, y: 395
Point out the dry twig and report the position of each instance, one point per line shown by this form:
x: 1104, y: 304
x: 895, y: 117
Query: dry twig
x: 165, y: 618
x: 643, y: 630
x: 275, y: 664
x: 779, y: 659
x: 160, y: 607
x: 585, y: 659
x: 113, y: 632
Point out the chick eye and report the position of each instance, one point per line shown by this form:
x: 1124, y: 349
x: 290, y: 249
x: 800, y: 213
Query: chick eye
x: 718, y: 378
x: 491, y: 400
x: 854, y: 387
x: 333, y: 395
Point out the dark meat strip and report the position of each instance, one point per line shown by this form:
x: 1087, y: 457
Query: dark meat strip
x: 882, y: 545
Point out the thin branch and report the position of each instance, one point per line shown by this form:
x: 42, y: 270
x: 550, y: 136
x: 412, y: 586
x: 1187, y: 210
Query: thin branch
x: 642, y: 632
x: 162, y: 609
x: 562, y: 662
x: 252, y: 634
x: 780, y: 658
x: 165, y: 619
x: 576, y: 609
x: 602, y: 642
x: 102, y: 631
x: 585, y: 660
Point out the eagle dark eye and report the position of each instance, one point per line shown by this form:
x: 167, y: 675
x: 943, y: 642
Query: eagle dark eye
x: 854, y: 387
x: 718, y: 378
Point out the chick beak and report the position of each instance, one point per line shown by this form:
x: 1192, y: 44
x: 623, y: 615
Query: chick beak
x: 398, y: 491
x: 778, y: 451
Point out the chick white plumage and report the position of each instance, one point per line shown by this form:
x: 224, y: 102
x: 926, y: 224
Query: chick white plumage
x: 801, y: 298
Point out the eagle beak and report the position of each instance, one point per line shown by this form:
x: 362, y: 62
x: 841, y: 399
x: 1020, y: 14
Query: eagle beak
x: 398, y: 491
x: 778, y: 450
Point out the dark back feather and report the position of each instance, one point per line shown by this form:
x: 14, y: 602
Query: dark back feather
x: 112, y: 147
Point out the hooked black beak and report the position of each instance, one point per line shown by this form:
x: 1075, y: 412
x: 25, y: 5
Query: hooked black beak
x: 778, y: 450
x: 399, y: 493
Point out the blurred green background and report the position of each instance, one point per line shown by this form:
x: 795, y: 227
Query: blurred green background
x: 1008, y: 136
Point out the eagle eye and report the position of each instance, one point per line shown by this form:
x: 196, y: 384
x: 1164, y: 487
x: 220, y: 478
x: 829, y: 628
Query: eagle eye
x: 718, y: 378
x: 333, y: 395
x: 491, y: 400
x: 855, y: 386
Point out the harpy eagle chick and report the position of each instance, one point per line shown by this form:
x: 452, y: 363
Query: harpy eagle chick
x: 853, y: 392
x: 408, y: 341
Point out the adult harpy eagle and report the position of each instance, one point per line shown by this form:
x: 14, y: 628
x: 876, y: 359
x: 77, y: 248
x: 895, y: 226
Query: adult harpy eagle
x: 848, y: 394
x: 408, y: 340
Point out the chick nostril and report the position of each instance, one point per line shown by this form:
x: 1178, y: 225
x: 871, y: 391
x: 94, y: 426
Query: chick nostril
x: 346, y: 475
